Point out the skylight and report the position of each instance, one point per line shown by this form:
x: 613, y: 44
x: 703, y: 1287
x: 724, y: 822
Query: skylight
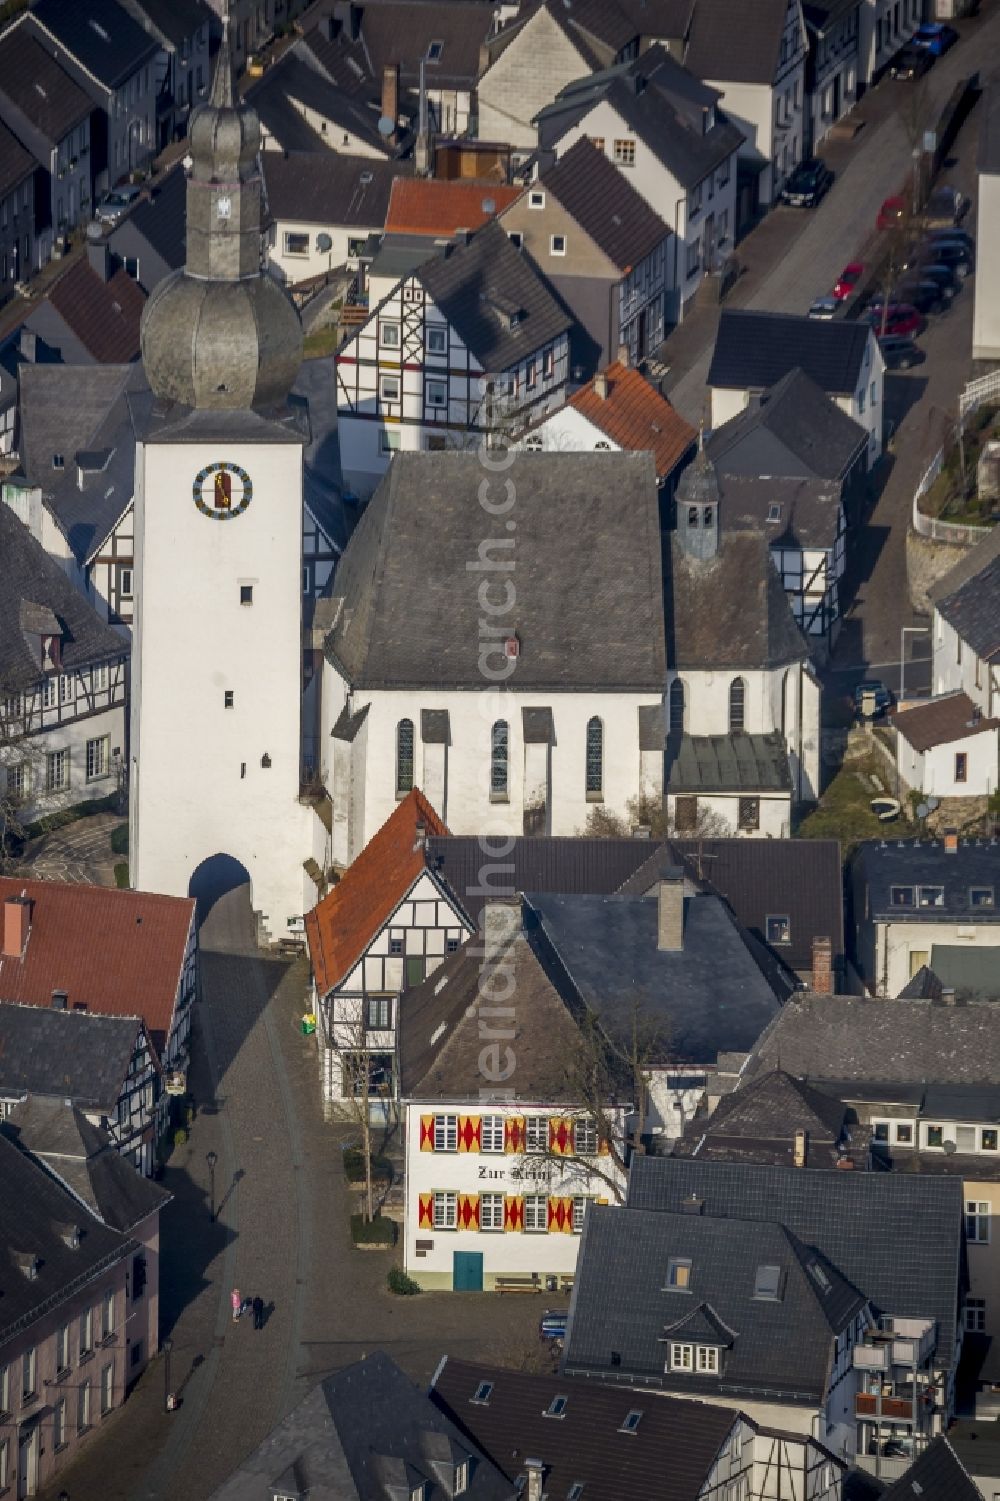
x: 818, y: 1275
x: 483, y: 1392
x: 557, y: 1407
x: 679, y: 1273
x: 434, y: 51
x: 575, y: 1491
x: 632, y: 1420
x: 767, y: 1283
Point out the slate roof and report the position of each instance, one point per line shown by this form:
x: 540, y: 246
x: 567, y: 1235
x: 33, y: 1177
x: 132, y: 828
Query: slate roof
x: 832, y: 1212
x: 272, y: 95
x: 821, y: 15
x: 602, y: 21
x: 942, y: 720
x: 161, y: 219
x: 781, y: 1347
x: 443, y: 206
x: 972, y: 973
x: 587, y: 617
x: 74, y: 1055
x: 883, y: 865
x: 669, y: 1455
x: 667, y: 20
x: 710, y: 997
x: 666, y: 113
x: 365, y: 1432
x: 635, y: 416
x: 82, y: 1156
x: 472, y: 282
x: 754, y: 350
x: 341, y: 926
x: 119, y: 953
x: 730, y: 611
x: 794, y: 431
x: 175, y: 20
x: 600, y: 198
x: 968, y: 597
x: 727, y: 50
x: 35, y: 1212
x: 935, y: 1475
x: 807, y: 515
x: 32, y: 80
x: 401, y: 33
x: 329, y: 188
x: 867, y: 1039
x: 16, y: 164
x: 99, y: 35
x: 28, y: 575
x: 104, y: 315
x: 758, y: 1122
x: 726, y: 763
x: 977, y: 1445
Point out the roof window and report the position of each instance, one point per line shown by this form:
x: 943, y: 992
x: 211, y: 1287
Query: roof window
x: 901, y: 896
x: 557, y: 1407
x: 819, y: 1276
x: 679, y: 1273
x: 981, y: 896
x: 96, y: 26
x: 930, y: 896
x: 632, y: 1420
x: 434, y: 51
x: 575, y: 1491
x: 767, y: 1283
x: 482, y: 1393
x: 774, y: 511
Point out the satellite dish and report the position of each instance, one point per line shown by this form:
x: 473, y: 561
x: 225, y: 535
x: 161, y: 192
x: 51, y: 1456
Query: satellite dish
x: 386, y: 125
x: 95, y: 231
x: 324, y: 243
x: 922, y: 810
x: 932, y: 803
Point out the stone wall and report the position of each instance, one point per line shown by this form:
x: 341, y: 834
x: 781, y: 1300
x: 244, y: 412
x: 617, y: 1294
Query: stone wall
x: 926, y: 563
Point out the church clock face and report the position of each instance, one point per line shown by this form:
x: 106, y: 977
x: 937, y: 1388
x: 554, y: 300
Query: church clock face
x: 222, y: 491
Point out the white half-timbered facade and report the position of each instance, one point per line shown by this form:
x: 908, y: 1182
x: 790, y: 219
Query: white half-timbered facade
x: 110, y: 572
x: 470, y: 341
x: 811, y: 578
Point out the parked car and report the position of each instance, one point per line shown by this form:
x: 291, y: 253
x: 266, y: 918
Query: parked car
x: 925, y: 296
x: 848, y: 280
x: 824, y: 307
x: 910, y: 63
x: 943, y: 277
x: 114, y: 205
x: 807, y: 184
x: 935, y: 37
x: 900, y: 353
x: 552, y: 1325
x: 952, y: 235
x: 893, y: 213
x: 899, y: 318
x: 881, y: 696
x: 945, y: 207
x: 951, y: 253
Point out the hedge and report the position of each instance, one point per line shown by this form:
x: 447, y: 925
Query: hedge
x: 376, y: 1232
x: 400, y: 1284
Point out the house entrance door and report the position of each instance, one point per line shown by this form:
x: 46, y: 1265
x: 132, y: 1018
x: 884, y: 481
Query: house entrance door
x: 467, y: 1272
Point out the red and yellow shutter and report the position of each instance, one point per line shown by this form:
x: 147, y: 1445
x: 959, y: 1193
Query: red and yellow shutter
x: 513, y: 1212
x: 470, y: 1133
x: 560, y: 1136
x: 468, y: 1211
x: 560, y: 1216
x: 427, y: 1133
x: 514, y: 1134
x: 425, y: 1218
x: 603, y: 1147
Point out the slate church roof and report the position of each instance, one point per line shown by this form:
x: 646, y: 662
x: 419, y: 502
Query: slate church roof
x: 730, y: 611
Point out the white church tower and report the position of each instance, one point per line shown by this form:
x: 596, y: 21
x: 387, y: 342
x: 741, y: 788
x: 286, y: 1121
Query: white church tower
x: 217, y: 659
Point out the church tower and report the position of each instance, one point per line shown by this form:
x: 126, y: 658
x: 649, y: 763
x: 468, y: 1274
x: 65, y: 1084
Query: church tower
x: 217, y: 652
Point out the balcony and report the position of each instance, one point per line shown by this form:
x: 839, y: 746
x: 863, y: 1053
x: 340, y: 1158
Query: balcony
x: 870, y: 1405
x: 873, y: 1357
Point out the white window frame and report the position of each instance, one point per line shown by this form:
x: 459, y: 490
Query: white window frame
x: 978, y: 1213
x: 98, y: 763
x: 385, y: 440
x: 491, y: 1212
x: 107, y: 1388
x: 557, y: 244
x: 388, y: 335
x: 432, y: 335
x: 707, y: 1360
x: 67, y: 691
x: 681, y: 1357
x: 57, y: 770
x: 296, y: 235
x: 445, y: 1209
x: 108, y: 1314
x: 389, y: 387
x: 50, y: 693
x: 536, y: 1206
x: 623, y: 151
x: 4, y: 1388
x: 536, y: 198
x: 580, y: 1202
x: 434, y: 388
x: 585, y: 1137
x: 491, y: 1133
x: 536, y: 1126
x: 446, y: 1133
x: 975, y: 1315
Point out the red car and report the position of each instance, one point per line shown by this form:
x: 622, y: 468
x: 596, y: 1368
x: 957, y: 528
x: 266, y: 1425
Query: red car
x: 891, y: 214
x: 848, y: 280
x: 901, y: 319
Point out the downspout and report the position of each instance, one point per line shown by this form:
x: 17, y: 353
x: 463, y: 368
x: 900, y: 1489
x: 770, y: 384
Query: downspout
x: 677, y: 285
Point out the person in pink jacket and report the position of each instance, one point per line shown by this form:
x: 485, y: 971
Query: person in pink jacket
x: 237, y: 1303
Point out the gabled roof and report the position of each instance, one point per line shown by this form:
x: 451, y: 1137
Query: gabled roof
x: 104, y: 315
x: 622, y: 1302
x: 754, y: 350
x: 884, y: 865
x: 603, y: 21
x: 794, y: 431
x: 341, y: 926
x: 119, y: 953
x: 666, y: 20
x: 16, y: 164
x: 830, y: 1212
x: 368, y: 1433
x: 759, y: 1121
x: 635, y: 416
x: 589, y: 616
x: 977, y: 1444
x: 600, y: 198
x: 730, y: 611
x: 272, y: 97
x: 327, y: 187
x: 968, y: 597
x: 726, y: 52
x: 82, y: 1157
x: 72, y: 1055
x: 791, y: 513
x: 98, y: 34
x: 941, y: 721
x: 28, y: 575
x: 669, y: 1454
x: 736, y: 762
x: 173, y: 21
x: 478, y: 284
x: 401, y: 33
x: 936, y: 1475
x: 443, y: 206
x: 34, y: 82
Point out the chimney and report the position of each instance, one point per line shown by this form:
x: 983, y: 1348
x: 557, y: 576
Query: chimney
x: 822, y: 966
x: 801, y: 1148
x: 16, y: 925
x: 670, y: 913
x: 99, y: 257
x: 845, y: 1164
x: 601, y: 386
x: 27, y: 344
x: 390, y: 95
x: 948, y: 997
x: 536, y: 1477
x: 59, y: 1000
x: 420, y: 842
x: 951, y: 841
x: 692, y: 1205
x: 623, y: 356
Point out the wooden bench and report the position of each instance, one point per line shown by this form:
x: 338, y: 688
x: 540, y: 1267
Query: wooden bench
x: 566, y: 1282
x: 517, y: 1283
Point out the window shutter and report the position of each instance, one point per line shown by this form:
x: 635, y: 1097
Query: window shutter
x: 427, y: 1133
x: 603, y: 1148
x: 513, y: 1212
x: 470, y: 1130
x: 468, y: 1211
x: 560, y: 1216
x: 560, y: 1136
x: 426, y: 1211
x: 513, y: 1134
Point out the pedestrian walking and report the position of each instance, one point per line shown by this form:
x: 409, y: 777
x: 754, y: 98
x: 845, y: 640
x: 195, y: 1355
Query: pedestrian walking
x: 258, y: 1312
x: 237, y: 1303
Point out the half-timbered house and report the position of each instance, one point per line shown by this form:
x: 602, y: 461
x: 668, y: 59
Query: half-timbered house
x: 388, y: 923
x: 470, y: 341
x: 104, y: 1065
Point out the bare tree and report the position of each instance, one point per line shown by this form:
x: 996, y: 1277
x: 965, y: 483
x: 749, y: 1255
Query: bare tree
x: 22, y: 770
x: 651, y: 813
x: 366, y: 1078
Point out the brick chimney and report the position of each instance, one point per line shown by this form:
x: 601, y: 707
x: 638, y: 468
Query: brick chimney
x: 822, y: 966
x: 390, y: 95
x: 16, y: 925
x: 670, y: 911
x: 951, y: 841
x: 536, y: 1477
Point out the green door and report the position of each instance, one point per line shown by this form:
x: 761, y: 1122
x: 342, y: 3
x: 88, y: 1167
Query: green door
x: 467, y: 1272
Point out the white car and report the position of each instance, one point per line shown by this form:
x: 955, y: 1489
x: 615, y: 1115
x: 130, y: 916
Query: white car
x: 116, y: 204
x: 824, y: 307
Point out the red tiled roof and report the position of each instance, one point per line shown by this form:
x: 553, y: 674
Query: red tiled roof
x: 423, y: 206
x: 119, y: 953
x: 941, y: 721
x: 342, y: 925
x: 104, y: 315
x: 635, y: 416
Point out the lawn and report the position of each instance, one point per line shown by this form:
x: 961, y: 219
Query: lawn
x: 844, y: 813
x: 323, y: 341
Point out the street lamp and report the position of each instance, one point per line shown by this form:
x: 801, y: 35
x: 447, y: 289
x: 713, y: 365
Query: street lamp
x: 908, y: 630
x: 167, y: 1346
x: 212, y: 1158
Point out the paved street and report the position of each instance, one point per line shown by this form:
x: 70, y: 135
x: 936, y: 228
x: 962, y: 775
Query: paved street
x: 80, y: 852
x: 282, y: 1232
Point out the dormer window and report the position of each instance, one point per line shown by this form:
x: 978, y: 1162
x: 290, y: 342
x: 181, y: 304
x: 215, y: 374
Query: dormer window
x: 701, y: 1358
x: 461, y: 1478
x: 774, y: 511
